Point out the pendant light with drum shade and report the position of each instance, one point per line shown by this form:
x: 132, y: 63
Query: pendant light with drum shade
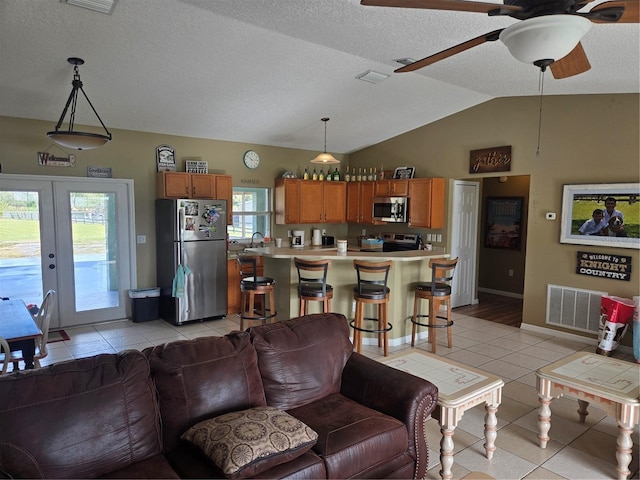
x: 325, y: 158
x: 74, y: 139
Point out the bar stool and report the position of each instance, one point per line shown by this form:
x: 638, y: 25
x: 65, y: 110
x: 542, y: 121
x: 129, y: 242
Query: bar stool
x: 371, y: 289
x: 312, y: 286
x: 251, y: 285
x: 437, y: 292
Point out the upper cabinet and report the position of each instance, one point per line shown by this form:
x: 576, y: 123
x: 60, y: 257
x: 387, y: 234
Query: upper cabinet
x: 360, y: 202
x: 391, y: 188
x: 324, y: 202
x: 426, y: 202
x: 196, y: 185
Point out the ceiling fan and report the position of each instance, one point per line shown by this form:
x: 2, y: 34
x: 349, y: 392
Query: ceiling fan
x: 540, y: 19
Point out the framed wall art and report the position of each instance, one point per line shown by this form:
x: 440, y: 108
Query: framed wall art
x: 504, y: 223
x: 601, y: 214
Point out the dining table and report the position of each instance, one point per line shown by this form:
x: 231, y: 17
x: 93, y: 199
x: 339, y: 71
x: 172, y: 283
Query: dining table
x: 19, y: 329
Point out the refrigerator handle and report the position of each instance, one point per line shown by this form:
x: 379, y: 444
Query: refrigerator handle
x: 181, y: 220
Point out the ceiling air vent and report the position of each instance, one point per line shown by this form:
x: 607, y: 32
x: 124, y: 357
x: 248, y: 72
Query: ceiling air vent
x: 102, y: 6
x: 372, y: 77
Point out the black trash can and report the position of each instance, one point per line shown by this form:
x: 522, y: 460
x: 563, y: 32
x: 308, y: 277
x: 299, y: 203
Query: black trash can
x: 145, y: 304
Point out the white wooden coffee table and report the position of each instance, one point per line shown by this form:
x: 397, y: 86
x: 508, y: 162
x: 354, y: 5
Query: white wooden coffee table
x: 460, y: 387
x: 613, y: 385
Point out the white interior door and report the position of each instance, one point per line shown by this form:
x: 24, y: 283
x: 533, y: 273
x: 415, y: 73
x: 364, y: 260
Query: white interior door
x: 464, y: 241
x: 73, y: 235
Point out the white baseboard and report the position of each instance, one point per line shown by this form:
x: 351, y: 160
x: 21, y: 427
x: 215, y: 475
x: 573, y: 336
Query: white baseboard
x: 593, y: 341
x: 501, y: 292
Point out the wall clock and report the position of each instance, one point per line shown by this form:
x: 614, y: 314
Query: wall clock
x: 251, y: 159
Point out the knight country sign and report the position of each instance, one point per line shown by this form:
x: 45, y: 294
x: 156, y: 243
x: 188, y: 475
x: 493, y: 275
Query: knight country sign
x: 616, y: 267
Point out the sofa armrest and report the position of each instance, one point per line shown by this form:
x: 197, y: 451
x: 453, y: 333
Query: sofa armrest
x: 398, y: 394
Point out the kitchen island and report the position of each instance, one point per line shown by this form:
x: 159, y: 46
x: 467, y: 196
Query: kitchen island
x: 409, y: 268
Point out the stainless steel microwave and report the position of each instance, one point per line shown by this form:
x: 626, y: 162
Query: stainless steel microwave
x: 390, y: 209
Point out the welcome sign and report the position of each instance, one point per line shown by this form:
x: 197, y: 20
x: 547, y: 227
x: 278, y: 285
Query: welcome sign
x: 616, y: 267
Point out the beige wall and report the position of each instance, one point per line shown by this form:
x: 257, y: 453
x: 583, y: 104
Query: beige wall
x: 132, y: 155
x: 584, y: 139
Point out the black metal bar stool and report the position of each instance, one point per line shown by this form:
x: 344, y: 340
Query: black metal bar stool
x: 437, y: 292
x: 372, y: 289
x: 312, y: 284
x: 251, y: 285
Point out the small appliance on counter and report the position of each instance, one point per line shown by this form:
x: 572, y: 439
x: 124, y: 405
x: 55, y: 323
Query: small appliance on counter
x: 297, y: 238
x: 328, y: 240
x: 397, y: 242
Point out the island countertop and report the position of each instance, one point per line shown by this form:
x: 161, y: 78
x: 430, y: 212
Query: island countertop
x: 352, y: 253
x: 409, y: 268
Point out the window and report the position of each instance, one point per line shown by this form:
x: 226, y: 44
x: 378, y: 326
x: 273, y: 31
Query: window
x: 251, y: 213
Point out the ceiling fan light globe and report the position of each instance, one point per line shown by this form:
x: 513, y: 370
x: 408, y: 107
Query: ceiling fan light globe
x: 548, y: 37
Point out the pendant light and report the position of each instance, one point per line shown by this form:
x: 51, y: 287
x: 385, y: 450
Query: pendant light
x: 74, y: 139
x: 325, y: 158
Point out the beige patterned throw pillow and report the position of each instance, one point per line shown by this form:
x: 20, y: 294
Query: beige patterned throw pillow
x: 246, y: 443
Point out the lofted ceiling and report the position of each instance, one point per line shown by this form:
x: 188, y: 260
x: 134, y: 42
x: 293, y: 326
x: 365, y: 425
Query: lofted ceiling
x: 266, y: 71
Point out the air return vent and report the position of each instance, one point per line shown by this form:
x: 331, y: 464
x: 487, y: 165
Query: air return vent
x: 573, y: 308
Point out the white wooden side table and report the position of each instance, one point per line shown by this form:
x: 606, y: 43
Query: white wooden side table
x: 613, y: 385
x: 460, y: 387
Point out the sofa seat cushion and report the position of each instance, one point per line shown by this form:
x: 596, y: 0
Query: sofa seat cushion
x: 204, y: 378
x: 78, y: 419
x: 154, y: 467
x: 346, y: 430
x: 190, y: 462
x: 246, y: 443
x: 301, y: 360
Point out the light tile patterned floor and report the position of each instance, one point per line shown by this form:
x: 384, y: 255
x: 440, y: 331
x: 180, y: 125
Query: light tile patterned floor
x: 576, y: 451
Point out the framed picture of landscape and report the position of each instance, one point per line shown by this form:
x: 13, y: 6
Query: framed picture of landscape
x: 504, y: 222
x: 601, y: 214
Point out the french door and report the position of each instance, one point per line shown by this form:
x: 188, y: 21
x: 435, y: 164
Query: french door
x: 74, y: 235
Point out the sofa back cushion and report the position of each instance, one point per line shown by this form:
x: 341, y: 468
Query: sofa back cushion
x: 203, y: 378
x: 78, y: 419
x: 301, y: 360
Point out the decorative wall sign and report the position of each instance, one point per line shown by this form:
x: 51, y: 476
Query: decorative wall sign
x: 616, y: 267
x: 166, y: 158
x: 99, y: 172
x: 504, y: 222
x: 404, y: 172
x: 487, y: 160
x: 49, y: 160
x: 196, y: 166
x: 619, y: 206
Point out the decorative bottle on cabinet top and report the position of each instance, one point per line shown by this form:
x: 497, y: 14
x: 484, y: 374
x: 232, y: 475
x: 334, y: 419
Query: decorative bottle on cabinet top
x: 347, y: 175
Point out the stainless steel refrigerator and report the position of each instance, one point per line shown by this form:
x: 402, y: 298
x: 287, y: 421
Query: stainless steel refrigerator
x: 191, y: 234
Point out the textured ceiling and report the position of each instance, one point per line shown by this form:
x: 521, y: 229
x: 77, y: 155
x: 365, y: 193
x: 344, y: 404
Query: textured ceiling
x: 266, y: 71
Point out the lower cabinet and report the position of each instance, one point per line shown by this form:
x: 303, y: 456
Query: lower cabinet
x: 233, y: 284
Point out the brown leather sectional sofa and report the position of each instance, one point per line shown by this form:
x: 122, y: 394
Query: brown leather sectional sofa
x: 122, y: 415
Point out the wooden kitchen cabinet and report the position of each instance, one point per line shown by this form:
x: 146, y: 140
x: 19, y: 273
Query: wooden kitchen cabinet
x: 324, y: 202
x: 360, y: 202
x: 233, y: 283
x: 426, y: 202
x: 196, y: 185
x: 391, y: 188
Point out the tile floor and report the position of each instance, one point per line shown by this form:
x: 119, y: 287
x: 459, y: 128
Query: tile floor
x: 576, y: 451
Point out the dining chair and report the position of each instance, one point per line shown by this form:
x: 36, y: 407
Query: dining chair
x: 5, y: 357
x: 43, y: 320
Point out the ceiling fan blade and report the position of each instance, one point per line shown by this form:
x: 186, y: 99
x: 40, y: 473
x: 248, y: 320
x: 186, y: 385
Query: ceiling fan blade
x: 455, y: 5
x: 574, y: 63
x: 608, y: 12
x: 487, y: 37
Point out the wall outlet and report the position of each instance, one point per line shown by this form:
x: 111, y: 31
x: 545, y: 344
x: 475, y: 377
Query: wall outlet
x: 511, y: 272
x: 439, y: 237
x: 429, y: 238
x: 289, y: 233
x: 324, y: 231
x: 141, y: 239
